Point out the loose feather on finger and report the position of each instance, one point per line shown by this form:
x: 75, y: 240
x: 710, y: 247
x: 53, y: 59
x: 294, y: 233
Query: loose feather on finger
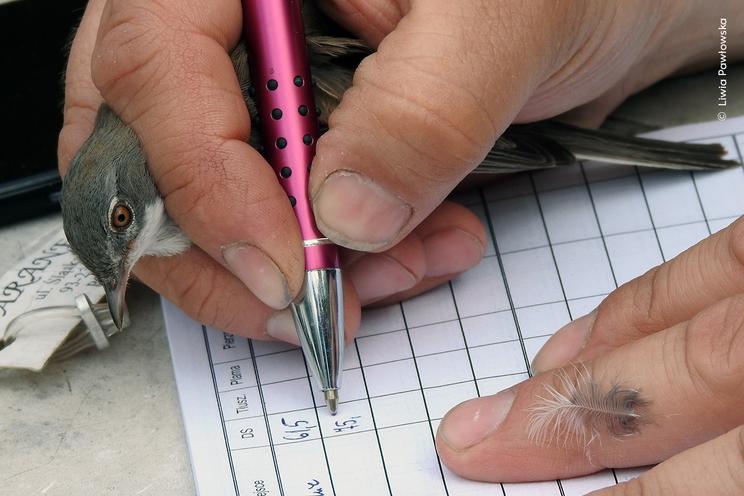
x: 579, y: 410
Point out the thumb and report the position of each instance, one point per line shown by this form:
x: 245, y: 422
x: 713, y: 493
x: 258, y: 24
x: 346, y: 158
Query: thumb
x: 423, y: 111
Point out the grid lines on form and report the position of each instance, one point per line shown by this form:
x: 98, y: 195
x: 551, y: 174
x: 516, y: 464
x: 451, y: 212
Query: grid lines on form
x: 222, y: 417
x: 559, y: 241
x: 585, y: 206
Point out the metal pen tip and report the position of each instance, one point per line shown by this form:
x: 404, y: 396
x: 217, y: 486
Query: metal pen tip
x: 331, y: 397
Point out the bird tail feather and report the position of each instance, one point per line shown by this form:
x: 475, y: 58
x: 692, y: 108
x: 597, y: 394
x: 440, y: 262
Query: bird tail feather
x: 551, y: 144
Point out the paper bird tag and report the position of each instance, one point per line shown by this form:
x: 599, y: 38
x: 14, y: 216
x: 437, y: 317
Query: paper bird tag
x: 49, y: 277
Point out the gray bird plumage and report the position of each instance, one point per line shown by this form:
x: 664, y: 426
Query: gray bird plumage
x: 108, y: 181
x: 86, y: 211
x: 108, y: 174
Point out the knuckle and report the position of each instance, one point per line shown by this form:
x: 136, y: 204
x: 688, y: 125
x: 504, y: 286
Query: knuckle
x: 205, y: 291
x: 646, y: 297
x: 714, y: 345
x: 728, y: 343
x: 633, y: 487
x: 178, y: 285
x: 79, y: 116
x: 736, y: 241
x: 79, y: 110
x: 657, y: 295
x: 71, y: 137
x: 196, y: 291
x: 409, y: 254
x: 682, y: 366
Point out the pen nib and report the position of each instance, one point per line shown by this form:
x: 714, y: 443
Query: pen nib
x: 331, y: 397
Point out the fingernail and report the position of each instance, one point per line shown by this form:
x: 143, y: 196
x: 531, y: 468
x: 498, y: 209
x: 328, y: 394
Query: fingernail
x: 471, y: 422
x: 451, y: 251
x: 281, y: 326
x: 564, y: 345
x: 259, y: 273
x: 357, y: 212
x: 378, y: 276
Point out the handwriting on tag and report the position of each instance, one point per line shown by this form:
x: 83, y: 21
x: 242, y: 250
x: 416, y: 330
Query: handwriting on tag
x: 49, y: 276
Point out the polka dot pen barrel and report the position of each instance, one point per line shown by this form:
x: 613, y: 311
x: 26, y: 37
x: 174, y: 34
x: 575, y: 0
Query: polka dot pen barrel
x: 280, y: 72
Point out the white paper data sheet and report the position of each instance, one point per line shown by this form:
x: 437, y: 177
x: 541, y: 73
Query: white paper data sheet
x: 559, y: 242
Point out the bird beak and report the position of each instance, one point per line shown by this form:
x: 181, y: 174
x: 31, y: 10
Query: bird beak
x: 115, y: 294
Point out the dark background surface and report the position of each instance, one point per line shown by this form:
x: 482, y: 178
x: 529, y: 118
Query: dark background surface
x: 34, y: 35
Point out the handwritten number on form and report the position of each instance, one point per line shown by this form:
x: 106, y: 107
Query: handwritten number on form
x: 347, y: 425
x: 299, y: 429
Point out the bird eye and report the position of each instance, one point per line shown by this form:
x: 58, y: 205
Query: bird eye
x: 121, y: 216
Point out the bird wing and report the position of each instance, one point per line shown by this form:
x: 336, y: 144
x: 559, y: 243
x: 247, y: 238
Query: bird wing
x: 604, y: 146
x: 523, y: 147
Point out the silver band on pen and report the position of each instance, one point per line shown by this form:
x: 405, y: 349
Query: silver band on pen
x: 316, y: 242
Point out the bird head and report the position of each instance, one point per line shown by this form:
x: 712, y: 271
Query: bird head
x: 112, y: 211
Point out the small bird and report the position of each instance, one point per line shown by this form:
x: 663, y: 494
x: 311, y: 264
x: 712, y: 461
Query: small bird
x: 113, y: 213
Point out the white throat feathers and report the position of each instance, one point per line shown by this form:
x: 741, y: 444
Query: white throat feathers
x: 158, y: 236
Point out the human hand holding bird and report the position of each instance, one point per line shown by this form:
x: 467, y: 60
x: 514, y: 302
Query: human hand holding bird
x: 424, y: 110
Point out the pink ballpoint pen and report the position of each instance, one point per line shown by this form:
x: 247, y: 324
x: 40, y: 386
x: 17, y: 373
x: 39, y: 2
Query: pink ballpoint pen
x: 280, y: 71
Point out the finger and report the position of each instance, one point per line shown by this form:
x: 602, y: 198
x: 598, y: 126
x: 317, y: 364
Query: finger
x: 213, y: 296
x: 164, y: 68
x: 673, y: 292
x: 403, y: 271
x: 281, y: 325
x: 667, y: 392
x: 422, y: 112
x: 715, y: 467
x: 371, y: 20
x: 450, y: 241
x: 206, y: 291
x: 81, y: 95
